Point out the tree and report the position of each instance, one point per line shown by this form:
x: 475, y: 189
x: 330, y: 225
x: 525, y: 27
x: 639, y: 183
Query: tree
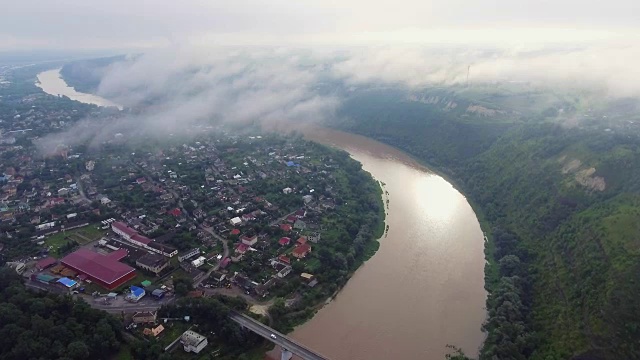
x: 78, y: 350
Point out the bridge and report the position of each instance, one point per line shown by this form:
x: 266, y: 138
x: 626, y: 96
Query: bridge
x: 288, y: 345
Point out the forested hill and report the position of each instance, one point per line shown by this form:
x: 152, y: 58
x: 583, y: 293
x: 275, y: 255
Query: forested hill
x: 556, y: 183
x: 46, y: 326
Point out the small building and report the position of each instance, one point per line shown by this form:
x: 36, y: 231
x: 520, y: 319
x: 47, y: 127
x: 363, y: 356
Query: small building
x: 157, y: 294
x: 307, y: 199
x: 137, y: 293
x: 154, y: 331
x: 284, y: 241
x: 285, y: 227
x: 193, y: 342
x: 68, y: 283
x: 45, y: 263
x: 152, y: 262
x: 145, y: 317
x: 287, y: 190
x: 235, y: 221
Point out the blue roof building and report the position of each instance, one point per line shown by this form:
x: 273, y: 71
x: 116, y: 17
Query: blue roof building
x: 67, y: 282
x: 137, y: 293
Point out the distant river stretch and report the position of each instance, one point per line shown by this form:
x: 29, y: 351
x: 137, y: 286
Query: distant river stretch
x: 52, y: 83
x: 424, y: 288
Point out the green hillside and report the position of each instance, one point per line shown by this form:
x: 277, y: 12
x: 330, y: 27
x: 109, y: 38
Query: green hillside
x: 556, y: 181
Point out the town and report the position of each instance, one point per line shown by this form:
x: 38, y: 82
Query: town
x: 137, y: 222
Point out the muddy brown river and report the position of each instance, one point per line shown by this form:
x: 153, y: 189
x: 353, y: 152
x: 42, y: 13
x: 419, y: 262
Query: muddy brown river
x: 424, y: 288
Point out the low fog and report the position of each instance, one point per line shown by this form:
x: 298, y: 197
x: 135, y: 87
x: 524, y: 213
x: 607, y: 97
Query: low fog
x: 172, y: 89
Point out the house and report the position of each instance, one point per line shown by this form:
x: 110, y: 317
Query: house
x: 189, y: 254
x: 225, y: 262
x: 301, y: 240
x: 141, y: 180
x: 285, y: 227
x: 285, y: 259
x: 242, y: 248
x: 104, y: 200
x: 145, y: 317
x: 301, y: 251
x: 248, y: 217
x: 314, y: 237
x: 284, y: 272
x: 284, y: 241
x: 235, y: 221
x: 193, y: 342
x: 235, y: 232
x: 292, y: 218
x: 307, y: 199
x: 300, y: 214
x: 152, y: 262
x: 299, y: 225
x: 287, y: 190
x: 175, y: 212
x: 249, y: 240
x: 154, y: 331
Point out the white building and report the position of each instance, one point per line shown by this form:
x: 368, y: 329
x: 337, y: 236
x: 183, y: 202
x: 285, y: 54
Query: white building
x: 199, y: 261
x: 287, y: 190
x: 193, y: 342
x: 236, y: 221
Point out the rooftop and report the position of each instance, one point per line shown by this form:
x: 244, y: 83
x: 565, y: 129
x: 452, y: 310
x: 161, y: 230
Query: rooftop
x: 103, y: 268
x: 191, y: 338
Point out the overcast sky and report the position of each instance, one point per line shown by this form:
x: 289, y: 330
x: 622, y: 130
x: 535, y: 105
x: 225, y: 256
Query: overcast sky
x: 130, y: 24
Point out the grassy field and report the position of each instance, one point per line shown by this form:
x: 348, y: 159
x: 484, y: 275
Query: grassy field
x: 82, y: 236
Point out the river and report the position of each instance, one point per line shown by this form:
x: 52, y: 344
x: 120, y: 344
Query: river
x: 424, y: 288
x: 52, y: 83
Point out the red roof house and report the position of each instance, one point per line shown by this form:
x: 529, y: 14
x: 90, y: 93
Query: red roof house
x: 284, y: 241
x: 141, y: 180
x: 301, y: 251
x: 103, y: 270
x: 302, y: 240
x: 285, y: 259
x: 285, y: 227
x: 235, y: 232
x: 225, y: 262
x: 175, y: 212
x: 292, y: 218
x: 242, y: 248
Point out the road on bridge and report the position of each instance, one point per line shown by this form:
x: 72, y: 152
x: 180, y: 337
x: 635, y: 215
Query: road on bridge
x: 280, y: 339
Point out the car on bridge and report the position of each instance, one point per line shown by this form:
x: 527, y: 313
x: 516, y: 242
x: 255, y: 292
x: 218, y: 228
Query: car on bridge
x: 273, y: 336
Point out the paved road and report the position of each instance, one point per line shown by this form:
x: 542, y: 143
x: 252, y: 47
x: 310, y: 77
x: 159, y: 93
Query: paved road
x: 225, y: 253
x: 281, y: 340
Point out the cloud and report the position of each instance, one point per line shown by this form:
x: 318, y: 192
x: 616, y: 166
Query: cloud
x: 172, y: 91
x: 608, y: 69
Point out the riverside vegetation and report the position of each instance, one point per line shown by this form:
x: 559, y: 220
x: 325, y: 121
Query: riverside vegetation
x: 554, y: 181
